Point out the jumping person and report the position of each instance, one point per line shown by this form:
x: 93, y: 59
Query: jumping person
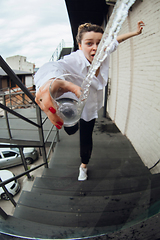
x: 88, y: 38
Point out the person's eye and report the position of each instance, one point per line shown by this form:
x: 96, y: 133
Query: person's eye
x: 89, y: 43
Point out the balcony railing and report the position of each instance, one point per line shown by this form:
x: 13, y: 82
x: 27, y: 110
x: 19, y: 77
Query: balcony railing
x: 10, y: 101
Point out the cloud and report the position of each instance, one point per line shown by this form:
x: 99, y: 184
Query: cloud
x: 33, y: 28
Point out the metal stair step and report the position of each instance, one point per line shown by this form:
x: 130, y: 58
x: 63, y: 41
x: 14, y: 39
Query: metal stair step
x: 99, y: 213
x: 64, y: 152
x: 140, y: 200
x: 97, y: 171
x: 68, y: 147
x: 79, y: 219
x: 29, y: 229
x: 92, y: 187
x: 146, y: 229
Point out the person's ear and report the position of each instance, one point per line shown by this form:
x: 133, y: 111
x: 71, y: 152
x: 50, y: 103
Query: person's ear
x: 79, y: 46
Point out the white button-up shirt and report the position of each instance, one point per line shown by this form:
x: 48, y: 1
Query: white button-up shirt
x: 76, y: 63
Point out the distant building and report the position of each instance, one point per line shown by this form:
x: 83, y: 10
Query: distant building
x: 24, y: 76
x: 13, y: 96
x: 20, y: 63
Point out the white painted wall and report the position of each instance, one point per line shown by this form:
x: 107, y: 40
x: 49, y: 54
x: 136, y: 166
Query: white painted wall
x: 134, y: 102
x: 20, y: 63
x: 29, y: 81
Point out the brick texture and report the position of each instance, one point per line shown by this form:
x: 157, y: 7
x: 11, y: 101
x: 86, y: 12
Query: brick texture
x: 134, y: 100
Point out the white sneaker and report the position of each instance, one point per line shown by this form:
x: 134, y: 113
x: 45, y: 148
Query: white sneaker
x: 82, y: 174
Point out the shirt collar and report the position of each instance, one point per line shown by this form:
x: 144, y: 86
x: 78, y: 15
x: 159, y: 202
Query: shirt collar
x: 85, y: 62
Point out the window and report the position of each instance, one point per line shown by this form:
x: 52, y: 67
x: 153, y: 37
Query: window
x: 7, y: 154
x: 15, y: 149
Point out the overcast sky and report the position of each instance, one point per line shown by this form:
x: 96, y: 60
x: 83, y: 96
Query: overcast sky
x: 33, y: 28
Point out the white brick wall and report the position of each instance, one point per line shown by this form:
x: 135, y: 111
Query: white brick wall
x: 134, y: 102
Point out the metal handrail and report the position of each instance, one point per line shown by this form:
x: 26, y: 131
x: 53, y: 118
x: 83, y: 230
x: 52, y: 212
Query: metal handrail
x: 8, y: 194
x: 14, y: 77
x: 15, y: 101
x: 3, y: 92
x: 15, y: 95
x: 56, y: 54
x: 18, y: 115
x: 20, y: 175
x: 39, y: 126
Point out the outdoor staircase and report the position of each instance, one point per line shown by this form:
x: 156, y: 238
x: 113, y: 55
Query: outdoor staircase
x: 118, y: 201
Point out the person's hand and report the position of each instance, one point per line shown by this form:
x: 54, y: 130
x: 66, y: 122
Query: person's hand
x: 45, y: 102
x: 140, y: 26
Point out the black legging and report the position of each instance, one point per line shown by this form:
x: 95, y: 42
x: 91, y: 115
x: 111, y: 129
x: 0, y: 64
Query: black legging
x: 86, y: 143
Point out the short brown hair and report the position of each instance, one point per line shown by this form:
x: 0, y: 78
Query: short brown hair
x: 87, y: 27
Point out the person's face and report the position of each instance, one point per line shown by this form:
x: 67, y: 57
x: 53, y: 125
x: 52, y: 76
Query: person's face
x: 89, y: 44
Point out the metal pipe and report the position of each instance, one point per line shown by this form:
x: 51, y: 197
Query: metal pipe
x: 8, y: 194
x: 18, y: 115
x: 41, y: 135
x: 48, y: 134
x: 24, y: 162
x: 6, y: 117
x: 51, y: 146
x: 20, y: 175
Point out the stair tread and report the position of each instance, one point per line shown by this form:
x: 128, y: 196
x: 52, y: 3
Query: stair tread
x: 65, y: 151
x: 117, y: 192
x: 97, y: 171
x: 26, y: 228
x: 93, y: 186
x: 91, y: 212
x: 146, y: 229
x: 79, y: 219
x: 92, y: 204
x: 100, y: 148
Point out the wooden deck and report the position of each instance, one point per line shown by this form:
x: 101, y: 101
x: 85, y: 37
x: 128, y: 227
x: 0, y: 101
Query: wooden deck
x: 120, y: 192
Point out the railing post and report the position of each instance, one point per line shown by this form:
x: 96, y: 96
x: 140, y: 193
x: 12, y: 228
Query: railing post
x: 10, y: 98
x: 8, y: 194
x: 41, y: 136
x: 58, y: 139
x: 24, y: 163
x: 6, y: 117
x: 23, y: 98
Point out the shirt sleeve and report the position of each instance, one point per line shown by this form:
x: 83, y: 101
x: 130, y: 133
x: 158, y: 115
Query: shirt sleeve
x: 46, y: 72
x: 113, y: 46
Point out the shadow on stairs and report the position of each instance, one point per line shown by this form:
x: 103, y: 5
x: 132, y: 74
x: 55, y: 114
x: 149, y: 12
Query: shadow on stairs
x: 118, y: 201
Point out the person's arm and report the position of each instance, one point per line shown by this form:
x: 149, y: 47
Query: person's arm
x: 126, y: 36
x: 45, y: 102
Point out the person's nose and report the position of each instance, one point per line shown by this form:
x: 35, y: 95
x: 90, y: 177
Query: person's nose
x: 95, y: 47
